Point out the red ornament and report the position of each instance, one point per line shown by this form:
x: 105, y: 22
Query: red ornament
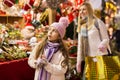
x: 9, y: 3
x: 28, y: 5
x: 70, y: 17
x: 28, y: 19
x: 78, y: 2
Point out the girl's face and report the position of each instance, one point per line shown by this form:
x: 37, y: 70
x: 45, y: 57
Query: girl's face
x: 53, y: 34
x: 83, y: 12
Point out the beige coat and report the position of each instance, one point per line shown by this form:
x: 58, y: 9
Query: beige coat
x: 54, y: 67
x: 94, y: 41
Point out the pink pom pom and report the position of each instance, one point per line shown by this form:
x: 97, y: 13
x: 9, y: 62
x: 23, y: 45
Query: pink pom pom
x: 64, y: 21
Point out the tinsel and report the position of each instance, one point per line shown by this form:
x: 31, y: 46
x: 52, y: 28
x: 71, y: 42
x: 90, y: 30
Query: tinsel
x: 111, y: 5
x: 44, y: 15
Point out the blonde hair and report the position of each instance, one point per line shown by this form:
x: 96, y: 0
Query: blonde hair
x: 90, y: 15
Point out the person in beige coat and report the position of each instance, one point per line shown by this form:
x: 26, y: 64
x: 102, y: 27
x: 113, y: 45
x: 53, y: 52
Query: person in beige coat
x: 89, y: 42
x: 50, y: 57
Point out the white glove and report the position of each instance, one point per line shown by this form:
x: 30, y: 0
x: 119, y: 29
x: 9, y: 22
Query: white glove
x: 41, y: 62
x: 102, y: 48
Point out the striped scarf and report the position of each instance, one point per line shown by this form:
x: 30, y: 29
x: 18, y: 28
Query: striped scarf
x: 49, y: 50
x: 84, y: 41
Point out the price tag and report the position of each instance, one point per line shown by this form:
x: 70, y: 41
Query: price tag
x: 95, y: 59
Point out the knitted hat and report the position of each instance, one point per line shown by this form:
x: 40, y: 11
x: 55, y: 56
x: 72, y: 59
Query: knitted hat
x: 61, y: 26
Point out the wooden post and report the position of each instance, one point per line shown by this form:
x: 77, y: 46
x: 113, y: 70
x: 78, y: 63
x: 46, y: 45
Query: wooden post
x: 51, y: 15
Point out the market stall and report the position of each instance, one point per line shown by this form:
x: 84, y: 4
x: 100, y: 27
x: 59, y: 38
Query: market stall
x: 15, y: 47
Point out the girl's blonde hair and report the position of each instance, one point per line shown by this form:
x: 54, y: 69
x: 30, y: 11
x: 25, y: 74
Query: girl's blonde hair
x: 90, y: 15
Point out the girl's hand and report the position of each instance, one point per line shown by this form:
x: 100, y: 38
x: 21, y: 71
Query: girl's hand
x: 41, y: 61
x: 78, y: 68
x: 38, y: 62
x: 44, y: 59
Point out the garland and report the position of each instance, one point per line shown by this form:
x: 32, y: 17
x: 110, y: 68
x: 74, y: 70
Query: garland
x: 44, y: 15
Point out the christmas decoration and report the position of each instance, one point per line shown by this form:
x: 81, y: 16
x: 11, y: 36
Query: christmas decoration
x: 9, y: 49
x: 2, y: 12
x: 72, y: 47
x: 28, y: 5
x: 73, y: 75
x: 55, y: 3
x: 110, y: 7
x: 44, y: 15
x: 9, y: 3
x: 28, y: 18
x: 73, y: 51
x: 78, y: 2
x: 11, y: 53
x: 37, y: 3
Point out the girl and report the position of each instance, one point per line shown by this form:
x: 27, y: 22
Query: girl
x: 49, y: 57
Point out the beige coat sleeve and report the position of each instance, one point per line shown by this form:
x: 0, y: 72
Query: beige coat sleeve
x: 31, y: 59
x: 79, y: 54
x: 56, y: 69
x: 104, y: 34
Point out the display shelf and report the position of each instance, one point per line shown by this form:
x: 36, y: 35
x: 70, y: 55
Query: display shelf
x: 4, y: 19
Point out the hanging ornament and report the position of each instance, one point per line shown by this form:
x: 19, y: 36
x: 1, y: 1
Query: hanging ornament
x: 78, y: 2
x: 37, y: 3
x: 28, y: 4
x: 9, y: 3
x: 70, y: 17
x: 53, y: 4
